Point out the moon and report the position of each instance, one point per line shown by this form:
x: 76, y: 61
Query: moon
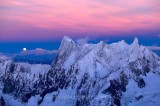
x: 24, y: 49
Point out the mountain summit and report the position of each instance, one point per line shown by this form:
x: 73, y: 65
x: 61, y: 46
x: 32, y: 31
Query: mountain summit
x: 88, y: 75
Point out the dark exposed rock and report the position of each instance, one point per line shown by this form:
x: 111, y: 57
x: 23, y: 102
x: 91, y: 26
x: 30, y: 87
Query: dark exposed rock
x: 138, y: 97
x: 11, y: 68
x: 26, y: 97
x: 2, y: 102
x: 53, y: 89
x: 146, y: 68
x: 54, y: 98
x: 116, y: 88
x: 140, y: 83
x: 9, y: 86
x: 78, y: 103
x: 58, y: 76
x: 117, y: 101
x: 93, y: 84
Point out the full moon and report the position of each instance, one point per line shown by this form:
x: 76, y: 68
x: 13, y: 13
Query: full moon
x: 24, y: 49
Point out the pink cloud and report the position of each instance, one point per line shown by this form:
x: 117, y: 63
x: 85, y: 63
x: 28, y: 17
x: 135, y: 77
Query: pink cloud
x: 96, y: 16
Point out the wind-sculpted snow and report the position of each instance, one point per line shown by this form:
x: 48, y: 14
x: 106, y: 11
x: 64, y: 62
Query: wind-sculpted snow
x: 84, y: 75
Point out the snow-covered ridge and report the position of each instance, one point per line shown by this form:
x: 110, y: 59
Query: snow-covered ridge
x: 116, y: 52
x: 90, y: 74
x: 18, y: 78
x: 105, y: 65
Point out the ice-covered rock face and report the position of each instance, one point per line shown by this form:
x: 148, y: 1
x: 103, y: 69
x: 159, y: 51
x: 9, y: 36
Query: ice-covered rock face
x: 100, y: 69
x: 66, y: 48
x: 103, y: 57
x: 89, y: 74
x: 20, y: 79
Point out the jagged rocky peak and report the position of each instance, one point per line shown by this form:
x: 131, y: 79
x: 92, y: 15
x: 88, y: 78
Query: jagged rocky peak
x: 122, y: 42
x: 67, y: 46
x: 67, y: 42
x: 70, y: 53
x: 136, y: 49
x: 135, y: 42
x: 66, y: 38
x: 101, y: 45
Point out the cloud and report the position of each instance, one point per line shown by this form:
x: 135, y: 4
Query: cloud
x: 85, y: 16
x: 154, y: 48
x: 3, y: 57
x: 82, y: 41
x: 36, y: 56
x: 38, y: 51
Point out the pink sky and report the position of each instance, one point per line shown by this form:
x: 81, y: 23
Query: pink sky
x: 49, y: 19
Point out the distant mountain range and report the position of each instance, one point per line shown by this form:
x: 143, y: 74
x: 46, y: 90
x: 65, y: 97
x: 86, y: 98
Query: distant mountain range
x: 35, y: 56
x: 84, y: 75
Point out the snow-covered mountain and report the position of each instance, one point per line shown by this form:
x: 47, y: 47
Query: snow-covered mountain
x: 86, y: 75
x: 17, y: 79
